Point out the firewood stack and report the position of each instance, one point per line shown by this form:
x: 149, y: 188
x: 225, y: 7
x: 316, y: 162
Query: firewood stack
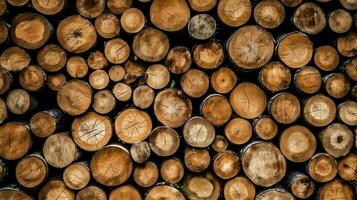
x: 176, y: 99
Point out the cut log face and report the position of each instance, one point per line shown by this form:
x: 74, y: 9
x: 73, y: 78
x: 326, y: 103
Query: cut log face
x: 197, y: 160
x: 116, y: 73
x: 226, y: 164
x: 91, y: 8
x: 351, y: 69
x: 239, y: 187
x: 234, y: 13
x: 146, y: 175
x: 19, y: 102
x: 97, y: 60
x: 118, y: 7
x: 164, y: 141
x: 319, y: 110
x: 202, y: 6
x: 5, y: 80
x: 99, y: 79
x: 194, y: 83
x: 48, y: 7
x: 14, y: 59
x: 223, y: 80
x: 265, y: 127
x: 308, y: 79
x: 32, y: 78
x: 172, y: 170
x: 238, y: 131
x: 335, y: 189
x: 285, y: 108
x: 178, y: 60
x: 202, y: 26
x: 4, y: 29
x: 208, y: 55
x: 202, y: 186
x: 125, y: 192
x: 301, y: 185
x: 14, y: 194
x: 337, y: 85
x: 76, y: 176
x: 103, y: 102
x: 56, y: 81
x: 77, y: 67
x: 275, y: 193
x: 275, y: 76
x: 216, y: 116
x: 107, y: 25
x: 322, y: 167
x: 309, y: 18
x: 340, y: 21
x: 117, y: 51
x: 45, y: 123
x: 198, y: 132
x: 143, y: 96
x: 91, y: 192
x: 346, y: 44
x: 269, y: 13
x: 347, y: 167
x: 51, y: 58
x: 347, y: 113
x: 337, y: 140
x: 164, y: 192
x: 31, y: 170
x: 158, y: 76
x: 3, y: 111
x: 349, y: 5
x: 132, y: 20
x: 140, y: 151
x: 56, y: 189
x: 122, y: 91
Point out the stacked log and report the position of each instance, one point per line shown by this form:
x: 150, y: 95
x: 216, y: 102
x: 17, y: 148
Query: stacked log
x: 178, y: 99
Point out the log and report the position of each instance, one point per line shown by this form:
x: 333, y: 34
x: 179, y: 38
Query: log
x: 340, y: 21
x: 300, y: 185
x: 265, y: 127
x: 132, y: 20
x: 134, y: 71
x: 350, y: 69
x: 208, y: 55
x: 198, y: 132
x: 30, y: 30
x: 99, y: 79
x: 170, y: 15
x: 164, y: 141
x: 223, y: 80
x: 122, y: 91
x: 116, y: 73
x: 77, y: 67
x: 91, y: 8
x: 103, y: 102
x: 140, y: 151
x: 32, y: 78
x: 319, y: 110
x: 143, y: 96
x: 239, y: 188
x: 274, y: 193
x: 309, y: 18
x: 269, y: 13
x: 117, y: 51
x: 297, y: 143
x: 56, y: 81
x: 91, y: 131
x: 4, y: 29
x: 55, y: 189
x: 322, y: 167
x: 263, y: 163
x: 226, y: 164
x: 337, y: 140
x: 45, y: 123
x: 4, y: 170
x: 238, y: 131
x: 52, y: 58
x: 349, y: 5
x: 146, y: 175
x: 234, y: 13
x: 164, y: 192
x: 14, y: 59
x: 216, y: 116
x: 76, y: 176
x: 107, y: 25
x: 308, y: 79
x: 3, y: 7
x: 219, y: 143
x: 172, y: 170
x: 14, y: 194
x: 91, y: 192
x: 172, y: 107
x: 295, y: 49
x: 347, y: 167
x: 284, y: 108
x: 118, y: 7
x: 252, y: 96
x: 201, y: 27
x: 197, y: 160
x: 31, y: 170
x: 48, y: 7
x: 178, y: 60
x: 125, y: 192
x: 132, y: 125
x: 111, y: 165
x: 6, y: 80
x: 97, y: 60
x: 347, y: 113
x: 194, y: 83
x: 202, y: 186
x: 202, y: 6
x: 335, y: 189
x: 250, y: 47
x: 59, y: 150
x: 337, y: 85
x: 20, y: 102
x: 346, y: 44
x: 275, y: 76
x: 157, y: 76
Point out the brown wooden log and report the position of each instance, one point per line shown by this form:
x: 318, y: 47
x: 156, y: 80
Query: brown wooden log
x: 146, y: 175
x: 151, y: 44
x: 164, y: 192
x: 178, y: 60
x: 31, y: 170
x: 349, y: 5
x: 354, y: 92
x: 308, y: 79
x: 117, y: 51
x: 76, y: 176
x: 274, y: 193
x: 14, y: 59
x: 74, y: 97
x: 3, y: 7
x: 347, y: 112
x: 253, y: 98
x: 337, y: 140
x: 56, y: 81
x: 45, y: 123
x: 140, y: 151
x: 172, y: 170
x: 226, y: 164
x: 269, y: 13
x: 337, y: 85
x: 107, y: 25
x: 340, y: 21
x: 20, y: 102
x: 103, y: 102
x: 59, y: 150
x: 322, y: 167
x: 97, y: 60
x: 265, y: 127
x: 56, y: 189
x: 30, y: 30
x: 202, y: 186
x: 295, y: 49
x: 18, y: 3
x: 99, y: 79
x: 52, y: 58
x: 335, y: 189
x: 275, y: 76
x: 239, y: 188
x: 194, y: 83
x: 164, y: 141
x: 291, y: 3
x: 284, y: 108
x: 197, y: 160
x: 157, y: 76
x: 143, y: 96
x: 118, y: 7
x: 319, y: 110
x: 111, y: 165
x: 32, y: 78
x: 216, y: 116
x: 346, y: 44
x: 297, y: 143
x: 91, y: 192
x: 223, y: 80
x: 132, y: 20
x: 309, y: 18
x: 351, y: 68
x: 219, y: 143
x: 202, y: 6
x: 250, y: 47
x: 125, y: 192
x: 77, y: 67
x: 133, y: 125
x: 13, y: 194
x: 122, y: 91
x: 234, y: 13
x: 76, y: 34
x: 172, y: 107
x: 238, y: 131
x: 5, y: 80
x: 91, y: 131
x: 170, y: 15
x: 300, y: 185
x: 3, y: 111
x: 50, y: 7
x: 209, y: 55
x: 263, y: 163
x: 4, y: 28
x: 347, y: 167
x: 202, y: 27
x: 91, y: 8
x: 116, y: 73
x: 198, y: 132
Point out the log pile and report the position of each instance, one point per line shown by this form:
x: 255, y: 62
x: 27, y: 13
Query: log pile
x: 176, y: 99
